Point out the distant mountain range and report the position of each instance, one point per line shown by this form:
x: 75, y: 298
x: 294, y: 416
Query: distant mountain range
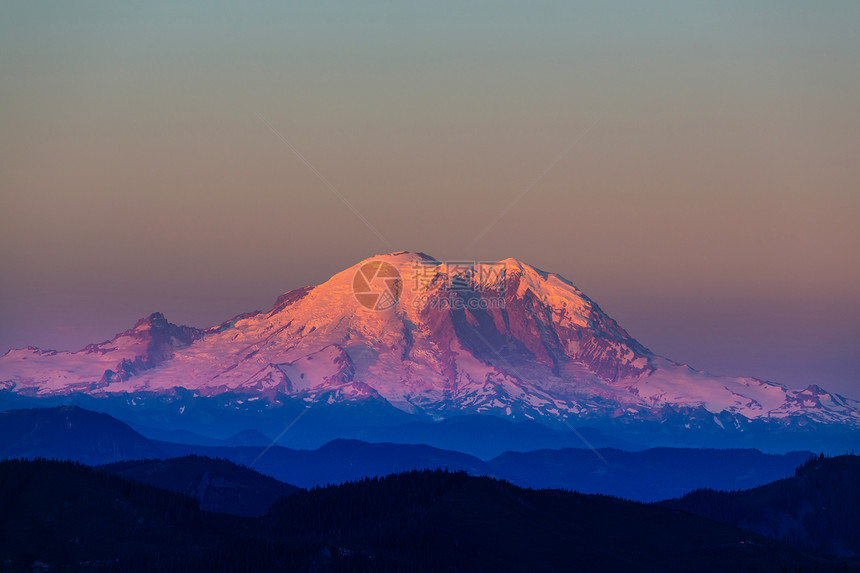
x: 64, y: 516
x: 648, y: 475
x: 76, y: 434
x: 71, y: 433
x: 504, y: 339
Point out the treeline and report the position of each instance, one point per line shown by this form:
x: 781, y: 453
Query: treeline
x: 72, y: 517
x: 344, y: 510
x: 817, y: 510
x: 67, y: 513
x: 17, y: 475
x: 64, y: 512
x: 385, y: 517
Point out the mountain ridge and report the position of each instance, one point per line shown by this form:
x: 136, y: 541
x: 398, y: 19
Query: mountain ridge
x: 77, y: 434
x: 503, y: 338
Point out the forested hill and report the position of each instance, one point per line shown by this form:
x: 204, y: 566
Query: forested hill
x: 219, y: 485
x: 72, y: 517
x: 818, y: 509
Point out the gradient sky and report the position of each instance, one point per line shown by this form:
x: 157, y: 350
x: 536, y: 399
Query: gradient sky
x: 692, y: 166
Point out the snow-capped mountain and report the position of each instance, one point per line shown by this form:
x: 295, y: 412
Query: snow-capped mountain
x: 429, y: 338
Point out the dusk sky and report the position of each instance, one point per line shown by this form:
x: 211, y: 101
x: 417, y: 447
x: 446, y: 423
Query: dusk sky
x: 694, y: 167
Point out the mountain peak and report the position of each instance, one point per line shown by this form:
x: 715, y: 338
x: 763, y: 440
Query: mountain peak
x: 412, y: 255
x: 399, y: 258
x: 154, y: 320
